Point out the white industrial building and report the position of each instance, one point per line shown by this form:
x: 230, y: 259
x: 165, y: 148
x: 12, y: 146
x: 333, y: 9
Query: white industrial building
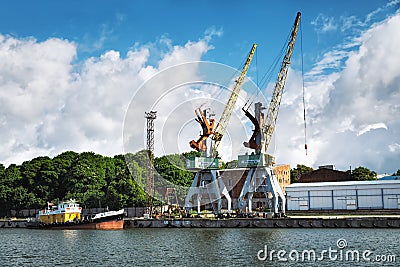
x: 348, y: 195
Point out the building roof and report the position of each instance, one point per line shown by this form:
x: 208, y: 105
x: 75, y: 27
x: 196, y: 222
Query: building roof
x: 390, y: 177
x: 324, y: 175
x: 343, y: 183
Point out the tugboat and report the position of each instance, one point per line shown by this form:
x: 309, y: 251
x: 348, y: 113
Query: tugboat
x: 67, y: 215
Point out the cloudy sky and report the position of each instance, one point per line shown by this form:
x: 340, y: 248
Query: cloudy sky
x: 79, y: 76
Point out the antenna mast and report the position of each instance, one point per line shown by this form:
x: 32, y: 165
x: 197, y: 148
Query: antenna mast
x: 150, y: 117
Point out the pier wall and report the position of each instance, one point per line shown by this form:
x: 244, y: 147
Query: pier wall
x: 353, y: 222
x: 13, y: 223
x: 375, y: 222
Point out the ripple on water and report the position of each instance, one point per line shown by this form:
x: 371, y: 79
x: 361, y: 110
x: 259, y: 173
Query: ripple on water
x: 182, y: 247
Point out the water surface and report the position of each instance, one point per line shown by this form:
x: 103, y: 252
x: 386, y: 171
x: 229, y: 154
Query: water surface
x: 192, y: 247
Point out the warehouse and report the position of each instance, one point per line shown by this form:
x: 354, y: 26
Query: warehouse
x: 346, y: 195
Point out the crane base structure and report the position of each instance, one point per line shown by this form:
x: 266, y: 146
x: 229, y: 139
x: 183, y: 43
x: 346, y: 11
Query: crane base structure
x: 262, y: 180
x: 228, y: 190
x: 208, y: 189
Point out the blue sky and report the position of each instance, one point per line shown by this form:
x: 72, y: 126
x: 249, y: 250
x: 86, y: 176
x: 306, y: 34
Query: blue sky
x: 62, y: 59
x: 98, y: 26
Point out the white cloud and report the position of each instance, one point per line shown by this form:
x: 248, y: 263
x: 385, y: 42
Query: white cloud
x: 370, y: 127
x: 211, y: 32
x: 352, y: 110
x: 323, y: 23
x: 350, y: 23
x: 48, y: 104
x: 394, y: 147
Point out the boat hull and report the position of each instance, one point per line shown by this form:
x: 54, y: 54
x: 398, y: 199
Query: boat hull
x: 109, y: 223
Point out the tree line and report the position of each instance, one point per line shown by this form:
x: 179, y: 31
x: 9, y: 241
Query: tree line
x: 92, y: 179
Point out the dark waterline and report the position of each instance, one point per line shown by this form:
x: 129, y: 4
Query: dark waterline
x: 188, y: 247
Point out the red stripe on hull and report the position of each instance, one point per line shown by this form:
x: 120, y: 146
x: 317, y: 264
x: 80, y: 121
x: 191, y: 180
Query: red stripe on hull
x: 109, y: 225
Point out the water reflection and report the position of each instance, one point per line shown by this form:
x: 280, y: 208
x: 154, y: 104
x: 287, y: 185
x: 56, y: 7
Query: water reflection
x: 71, y: 234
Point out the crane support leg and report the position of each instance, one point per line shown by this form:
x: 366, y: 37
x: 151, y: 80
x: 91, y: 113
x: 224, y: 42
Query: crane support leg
x: 209, y: 187
x: 262, y: 179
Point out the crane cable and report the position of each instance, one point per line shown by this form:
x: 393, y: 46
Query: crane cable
x: 252, y: 96
x: 267, y: 77
x: 302, y: 76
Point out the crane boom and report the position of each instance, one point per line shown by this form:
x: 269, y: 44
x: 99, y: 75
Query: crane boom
x: 226, y: 115
x: 270, y: 121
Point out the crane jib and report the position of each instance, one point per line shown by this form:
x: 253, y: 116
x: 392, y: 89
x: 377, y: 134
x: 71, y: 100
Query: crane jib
x: 273, y: 109
x: 226, y: 114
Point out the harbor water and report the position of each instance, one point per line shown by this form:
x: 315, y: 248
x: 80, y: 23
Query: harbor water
x: 200, y: 247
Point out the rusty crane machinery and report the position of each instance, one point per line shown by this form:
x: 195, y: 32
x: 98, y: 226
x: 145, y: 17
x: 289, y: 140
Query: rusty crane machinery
x: 260, y: 177
x: 206, y: 182
x: 220, y: 129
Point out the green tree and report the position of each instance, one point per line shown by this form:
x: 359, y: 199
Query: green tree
x: 62, y: 164
x: 191, y: 154
x: 231, y: 164
x: 22, y: 198
x: 363, y: 174
x: 86, y: 179
x: 397, y: 173
x: 2, y: 169
x: 141, y: 158
x: 125, y: 190
x: 29, y: 170
x: 172, y: 168
x: 300, y: 169
x: 5, y: 191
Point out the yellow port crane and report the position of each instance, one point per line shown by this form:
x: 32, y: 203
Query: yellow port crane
x: 262, y: 135
x: 273, y: 109
x: 207, y: 126
x: 226, y: 115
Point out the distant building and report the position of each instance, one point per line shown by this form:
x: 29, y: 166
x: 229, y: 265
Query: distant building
x: 325, y: 174
x: 282, y: 173
x: 330, y: 167
x: 348, y: 195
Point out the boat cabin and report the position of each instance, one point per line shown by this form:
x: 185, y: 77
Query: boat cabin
x: 66, y: 211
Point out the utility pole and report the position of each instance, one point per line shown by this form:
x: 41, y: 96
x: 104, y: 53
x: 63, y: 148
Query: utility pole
x: 150, y: 117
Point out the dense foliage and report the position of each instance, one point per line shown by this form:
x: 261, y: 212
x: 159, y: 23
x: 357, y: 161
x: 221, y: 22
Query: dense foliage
x: 91, y: 179
x: 300, y: 169
x: 363, y: 174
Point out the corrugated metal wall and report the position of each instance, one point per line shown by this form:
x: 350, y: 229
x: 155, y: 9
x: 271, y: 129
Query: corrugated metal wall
x: 342, y: 197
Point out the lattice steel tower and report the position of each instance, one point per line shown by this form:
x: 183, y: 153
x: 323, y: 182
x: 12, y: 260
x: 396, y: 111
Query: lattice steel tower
x: 150, y: 117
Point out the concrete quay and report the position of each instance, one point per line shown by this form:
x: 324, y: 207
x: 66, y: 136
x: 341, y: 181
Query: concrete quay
x: 343, y: 222
x: 13, y: 223
x: 290, y: 222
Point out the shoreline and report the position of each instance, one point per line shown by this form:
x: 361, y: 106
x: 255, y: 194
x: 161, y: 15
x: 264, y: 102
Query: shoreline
x: 295, y: 221
x: 289, y: 222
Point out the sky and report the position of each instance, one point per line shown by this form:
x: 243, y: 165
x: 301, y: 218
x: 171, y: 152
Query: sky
x: 79, y: 75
